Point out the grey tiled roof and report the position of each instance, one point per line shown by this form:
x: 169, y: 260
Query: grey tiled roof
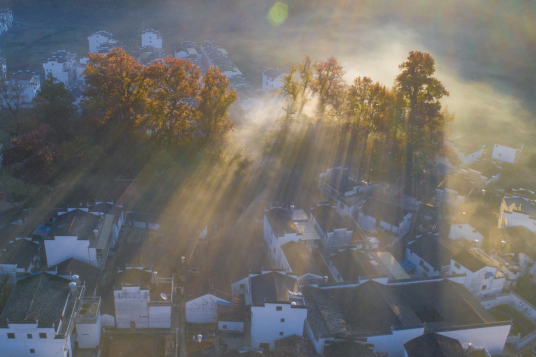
x: 40, y: 297
x: 20, y: 252
x: 299, y: 258
x: 434, y: 345
x: 328, y: 218
x: 88, y: 273
x: 429, y: 249
x: 280, y: 221
x: 469, y: 261
x: 272, y: 287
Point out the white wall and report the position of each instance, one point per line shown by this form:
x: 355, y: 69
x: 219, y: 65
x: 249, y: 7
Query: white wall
x: 203, y: 309
x: 21, y: 344
x: 477, y: 283
x: 504, y: 153
x: 62, y: 248
x: 131, y: 305
x: 465, y: 231
x: 107, y: 320
x: 237, y: 326
x: 160, y: 316
x: 493, y: 337
x: 393, y: 343
x: 150, y: 38
x: 266, y: 323
x: 269, y: 84
x: 10, y: 269
x: 420, y: 270
x: 95, y: 41
x: 320, y: 343
x: 88, y: 335
x: 514, y: 219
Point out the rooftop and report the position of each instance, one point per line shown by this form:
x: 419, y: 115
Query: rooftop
x: 466, y: 144
x: 299, y: 258
x: 133, y: 277
x: 486, y: 168
x: 516, y: 240
x: 348, y: 349
x: 469, y: 260
x: 442, y: 305
x: 351, y: 265
x: 429, y: 249
x: 87, y: 273
x: 340, y: 180
x: 329, y: 219
x: 272, y: 73
x: 385, y: 212
x: 39, y: 298
x: 280, y: 220
x: 434, y: 345
x: 20, y: 252
x: 457, y: 183
x: 520, y: 204
x: 272, y: 287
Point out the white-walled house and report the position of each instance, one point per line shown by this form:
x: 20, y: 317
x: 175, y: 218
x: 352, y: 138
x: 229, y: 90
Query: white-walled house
x: 506, y: 152
x: 429, y: 255
x: 18, y: 256
x: 482, y: 172
x: 188, y: 50
x: 23, y: 87
x: 215, y: 56
x: 466, y: 232
x: 296, y: 258
x: 484, y: 276
x: 377, y: 215
x: 272, y: 79
x: 467, y: 149
x: 334, y: 230
x: 517, y: 247
x: 454, y: 190
x: 151, y: 38
x: 142, y: 299
x: 277, y: 309
x: 40, y: 315
x: 517, y: 211
x: 62, y: 66
x: 433, y: 344
x: 388, y: 316
x: 101, y: 39
x: 202, y: 299
x: 346, y: 190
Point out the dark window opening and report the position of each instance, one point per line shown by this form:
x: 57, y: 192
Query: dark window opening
x: 32, y: 350
x: 42, y: 335
x: 29, y: 335
x: 242, y: 286
x: 282, y: 320
x: 225, y: 327
x: 10, y: 335
x: 279, y: 308
x: 280, y: 333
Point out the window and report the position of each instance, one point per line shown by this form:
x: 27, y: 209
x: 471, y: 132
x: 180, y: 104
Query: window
x: 225, y: 327
x: 484, y: 287
x: 42, y: 335
x: 281, y: 333
x: 242, y: 286
x: 279, y: 308
x: 29, y: 335
x: 32, y: 350
x: 458, y: 266
x: 421, y: 263
x: 282, y: 320
x: 10, y: 335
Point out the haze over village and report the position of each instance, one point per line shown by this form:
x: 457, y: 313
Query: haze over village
x: 283, y: 178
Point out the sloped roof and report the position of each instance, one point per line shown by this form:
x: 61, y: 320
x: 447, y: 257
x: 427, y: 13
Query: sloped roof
x: 133, y: 277
x: 518, y: 240
x: 429, y: 249
x: 434, y: 345
x: 272, y: 73
x: 272, y: 287
x: 347, y: 349
x: 280, y: 221
x: 76, y: 223
x: 20, y: 252
x: 520, y: 204
x: 340, y: 180
x: 88, y: 273
x: 440, y: 304
x: 39, y: 297
x: 486, y: 168
x: 351, y: 265
x: 328, y: 218
x: 294, y: 346
x: 299, y: 258
x: 389, y: 213
x: 469, y: 260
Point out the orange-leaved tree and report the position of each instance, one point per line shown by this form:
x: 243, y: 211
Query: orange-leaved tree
x: 116, y: 87
x: 327, y: 82
x: 170, y: 116
x: 215, y: 98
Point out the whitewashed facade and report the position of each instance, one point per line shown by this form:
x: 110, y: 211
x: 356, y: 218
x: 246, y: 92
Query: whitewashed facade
x: 505, y: 153
x: 203, y: 309
x: 467, y: 232
x: 151, y: 38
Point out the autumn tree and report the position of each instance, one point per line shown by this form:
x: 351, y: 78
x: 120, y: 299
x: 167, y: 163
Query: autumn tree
x: 12, y: 95
x: 173, y: 87
x: 424, y: 119
x: 327, y: 82
x: 116, y: 87
x: 215, y: 98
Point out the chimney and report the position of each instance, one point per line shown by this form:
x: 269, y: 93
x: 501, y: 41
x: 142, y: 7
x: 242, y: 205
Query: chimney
x: 291, y: 208
x: 154, y: 277
x: 199, y: 338
x: 72, y: 287
x: 96, y: 233
x: 325, y: 279
x: 76, y: 279
x: 183, y: 260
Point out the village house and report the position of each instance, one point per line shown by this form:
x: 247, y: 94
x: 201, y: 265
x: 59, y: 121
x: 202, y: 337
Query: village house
x: 41, y: 313
x: 334, y: 230
x: 151, y: 38
x: 62, y: 66
x: 393, y: 194
x: 506, y: 152
x: 485, y: 274
x: 517, y: 211
x: 142, y: 299
x: 6, y: 20
x: 347, y: 191
x: 467, y: 233
x: 386, y: 317
x: 101, y: 40
x: 202, y: 298
x: 18, y: 256
x: 272, y: 79
x: 429, y: 256
x: 466, y: 148
x: 215, y: 56
x: 517, y: 246
x: 454, y: 189
x: 23, y: 87
x: 351, y: 265
x: 277, y: 309
x: 377, y: 215
x: 296, y: 258
x: 482, y: 172
x: 88, y: 275
x: 283, y: 225
x: 433, y: 344
x: 447, y: 161
x: 188, y: 50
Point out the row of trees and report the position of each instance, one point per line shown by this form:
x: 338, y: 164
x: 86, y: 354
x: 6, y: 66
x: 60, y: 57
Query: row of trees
x: 407, y: 119
x: 167, y: 101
